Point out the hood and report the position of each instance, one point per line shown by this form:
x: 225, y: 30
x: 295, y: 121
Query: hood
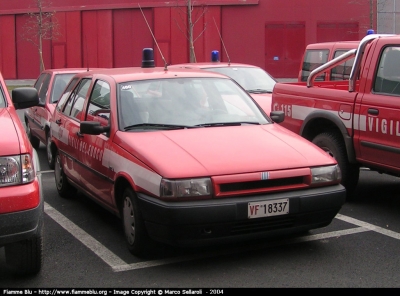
x: 222, y: 150
x: 8, y: 134
x: 264, y: 100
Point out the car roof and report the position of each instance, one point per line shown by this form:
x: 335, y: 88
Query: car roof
x: 138, y: 73
x: 337, y: 45
x: 205, y: 65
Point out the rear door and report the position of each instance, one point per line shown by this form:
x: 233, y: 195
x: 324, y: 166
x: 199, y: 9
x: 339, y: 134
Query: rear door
x: 67, y: 117
x: 379, y: 120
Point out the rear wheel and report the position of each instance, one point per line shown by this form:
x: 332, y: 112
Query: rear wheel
x: 136, y: 236
x: 34, y: 140
x: 64, y: 188
x: 26, y: 257
x: 50, y: 157
x: 333, y: 144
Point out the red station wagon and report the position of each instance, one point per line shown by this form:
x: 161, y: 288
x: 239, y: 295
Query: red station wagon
x: 186, y: 157
x: 253, y: 79
x: 21, y: 200
x: 50, y: 84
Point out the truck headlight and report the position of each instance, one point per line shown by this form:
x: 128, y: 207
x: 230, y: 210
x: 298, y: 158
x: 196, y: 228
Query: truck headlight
x: 185, y: 188
x: 326, y: 174
x: 16, y: 170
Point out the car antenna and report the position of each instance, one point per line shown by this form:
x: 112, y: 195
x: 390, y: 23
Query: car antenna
x: 155, y: 41
x: 223, y: 44
x: 87, y: 55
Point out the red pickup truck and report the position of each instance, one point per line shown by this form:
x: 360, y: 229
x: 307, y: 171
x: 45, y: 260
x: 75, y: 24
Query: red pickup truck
x: 356, y: 121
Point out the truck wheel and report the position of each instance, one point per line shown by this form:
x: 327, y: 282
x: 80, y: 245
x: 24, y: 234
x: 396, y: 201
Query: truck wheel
x: 34, y: 140
x: 64, y: 188
x: 50, y: 157
x: 136, y: 235
x: 333, y: 144
x: 26, y: 256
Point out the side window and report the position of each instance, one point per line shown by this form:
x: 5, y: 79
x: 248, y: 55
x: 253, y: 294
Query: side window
x: 313, y: 59
x: 42, y: 86
x: 59, y: 84
x: 65, y: 95
x: 99, y: 103
x: 387, y: 79
x: 342, y: 71
x: 74, y: 105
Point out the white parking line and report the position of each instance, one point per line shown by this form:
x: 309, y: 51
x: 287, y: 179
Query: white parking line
x: 117, y: 264
x: 105, y: 254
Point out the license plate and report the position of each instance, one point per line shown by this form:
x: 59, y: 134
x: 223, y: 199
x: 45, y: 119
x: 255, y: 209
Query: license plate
x: 268, y: 208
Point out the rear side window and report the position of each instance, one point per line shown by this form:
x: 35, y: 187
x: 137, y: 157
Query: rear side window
x: 342, y: 71
x: 42, y: 86
x: 314, y: 58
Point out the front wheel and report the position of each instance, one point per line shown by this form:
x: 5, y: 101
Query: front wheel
x: 333, y: 144
x: 26, y: 256
x: 135, y: 231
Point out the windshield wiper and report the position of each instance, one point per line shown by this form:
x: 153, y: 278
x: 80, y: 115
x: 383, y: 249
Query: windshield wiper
x: 227, y: 123
x: 156, y: 125
x: 259, y: 91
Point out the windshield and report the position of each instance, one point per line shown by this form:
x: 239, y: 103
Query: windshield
x: 60, y: 82
x: 185, y: 103
x: 251, y: 79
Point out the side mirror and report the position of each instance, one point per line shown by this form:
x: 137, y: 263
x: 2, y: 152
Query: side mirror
x: 277, y: 116
x: 24, y: 97
x: 93, y: 128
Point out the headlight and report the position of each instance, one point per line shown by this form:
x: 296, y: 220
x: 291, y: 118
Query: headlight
x: 327, y: 174
x: 185, y: 188
x: 16, y: 170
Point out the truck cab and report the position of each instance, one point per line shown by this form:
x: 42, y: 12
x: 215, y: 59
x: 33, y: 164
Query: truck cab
x: 317, y: 54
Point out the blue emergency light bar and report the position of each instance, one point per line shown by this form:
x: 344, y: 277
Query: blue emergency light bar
x: 148, y: 58
x: 215, y: 56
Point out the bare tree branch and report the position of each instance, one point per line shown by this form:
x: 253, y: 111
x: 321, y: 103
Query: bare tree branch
x: 41, y: 25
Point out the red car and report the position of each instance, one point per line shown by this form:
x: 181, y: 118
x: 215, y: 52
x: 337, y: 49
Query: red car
x: 186, y: 157
x: 21, y: 200
x: 50, y: 84
x: 253, y: 79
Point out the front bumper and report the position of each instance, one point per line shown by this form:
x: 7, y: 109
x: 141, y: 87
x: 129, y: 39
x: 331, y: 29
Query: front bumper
x: 226, y: 219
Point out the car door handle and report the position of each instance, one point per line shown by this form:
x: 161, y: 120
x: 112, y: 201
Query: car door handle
x: 58, y: 121
x: 373, y: 111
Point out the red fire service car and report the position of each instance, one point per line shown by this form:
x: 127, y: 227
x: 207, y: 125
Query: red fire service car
x: 21, y: 200
x: 50, y: 85
x: 186, y: 157
x: 253, y: 79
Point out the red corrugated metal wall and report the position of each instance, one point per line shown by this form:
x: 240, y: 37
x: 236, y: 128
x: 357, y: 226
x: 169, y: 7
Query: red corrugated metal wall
x: 113, y: 33
x: 8, y: 55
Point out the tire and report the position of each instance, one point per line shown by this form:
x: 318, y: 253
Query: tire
x: 26, y: 257
x: 64, y: 188
x: 333, y: 144
x: 35, y: 142
x: 50, y: 157
x: 136, y: 236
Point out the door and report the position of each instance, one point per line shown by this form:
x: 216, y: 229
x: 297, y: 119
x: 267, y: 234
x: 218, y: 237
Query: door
x: 94, y: 172
x: 379, y: 120
x: 284, y: 48
x: 39, y: 113
x: 66, y: 126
